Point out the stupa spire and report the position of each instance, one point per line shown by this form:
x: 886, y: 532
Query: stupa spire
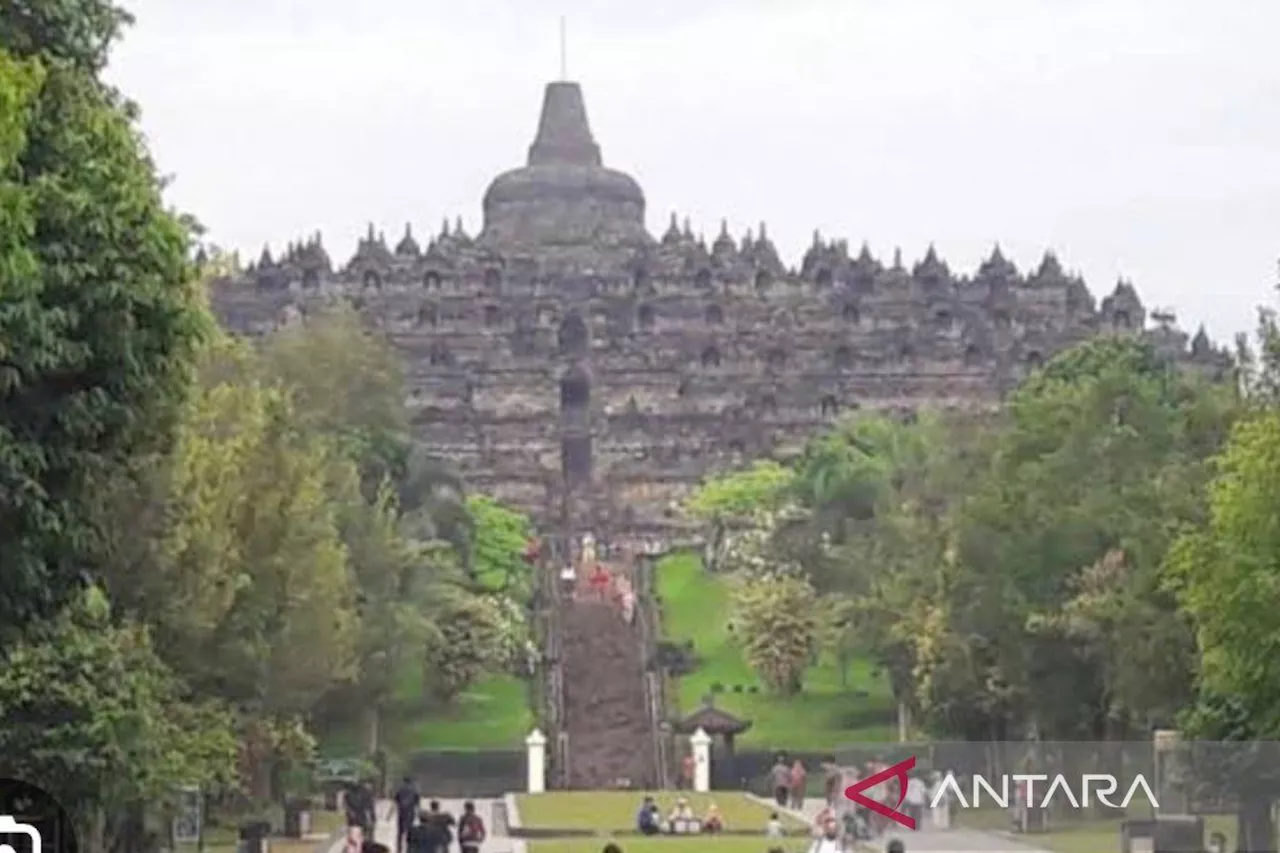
x: 564, y: 135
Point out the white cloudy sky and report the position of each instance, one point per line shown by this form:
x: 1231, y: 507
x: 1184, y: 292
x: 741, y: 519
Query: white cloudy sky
x: 1137, y: 138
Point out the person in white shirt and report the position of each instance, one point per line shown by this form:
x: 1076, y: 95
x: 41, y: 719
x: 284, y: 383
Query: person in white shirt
x: 830, y: 840
x: 917, y: 798
x: 681, y: 819
x: 773, y: 829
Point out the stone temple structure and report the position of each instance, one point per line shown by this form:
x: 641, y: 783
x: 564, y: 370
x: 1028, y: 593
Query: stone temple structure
x: 574, y: 365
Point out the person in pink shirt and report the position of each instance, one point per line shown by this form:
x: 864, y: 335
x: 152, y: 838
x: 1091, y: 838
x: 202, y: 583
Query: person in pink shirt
x: 799, y: 776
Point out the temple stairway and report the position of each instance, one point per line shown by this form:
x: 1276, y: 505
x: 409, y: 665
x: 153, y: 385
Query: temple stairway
x: 606, y: 716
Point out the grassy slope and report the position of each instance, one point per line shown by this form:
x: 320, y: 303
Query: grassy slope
x: 695, y: 607
x: 493, y: 714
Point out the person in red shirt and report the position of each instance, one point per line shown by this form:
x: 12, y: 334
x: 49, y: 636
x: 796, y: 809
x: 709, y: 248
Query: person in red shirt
x: 686, y: 772
x: 600, y: 580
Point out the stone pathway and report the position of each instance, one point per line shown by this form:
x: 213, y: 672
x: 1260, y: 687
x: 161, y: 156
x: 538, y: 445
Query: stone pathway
x: 496, y: 842
x: 384, y: 832
x: 923, y: 840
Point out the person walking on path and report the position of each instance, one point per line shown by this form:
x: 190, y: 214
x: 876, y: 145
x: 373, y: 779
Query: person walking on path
x: 443, y: 823
x: 362, y: 808
x: 471, y: 830
x: 832, y: 781
x: 780, y: 781
x: 799, y: 778
x: 424, y: 836
x: 408, y: 802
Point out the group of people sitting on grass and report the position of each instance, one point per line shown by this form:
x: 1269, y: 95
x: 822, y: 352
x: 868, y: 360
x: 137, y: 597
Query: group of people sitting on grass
x: 680, y: 821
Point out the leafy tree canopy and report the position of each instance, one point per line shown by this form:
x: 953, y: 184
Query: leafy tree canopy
x: 99, y: 315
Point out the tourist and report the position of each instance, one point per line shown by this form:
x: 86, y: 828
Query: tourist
x: 361, y: 806
x: 855, y: 828
x: 686, y: 772
x: 627, y: 599
x: 823, y: 819
x: 681, y: 820
x: 780, y: 779
x: 599, y: 581
x: 471, y: 831
x: 713, y: 823
x: 799, y: 777
x: 355, y: 839
x: 829, y: 839
x: 423, y: 837
x: 773, y: 829
x: 408, y: 801
x: 916, y: 799
x: 443, y: 823
x: 647, y: 822
x: 831, y: 781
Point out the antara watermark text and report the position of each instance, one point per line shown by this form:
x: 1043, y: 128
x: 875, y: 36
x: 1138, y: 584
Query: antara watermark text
x: 1039, y: 790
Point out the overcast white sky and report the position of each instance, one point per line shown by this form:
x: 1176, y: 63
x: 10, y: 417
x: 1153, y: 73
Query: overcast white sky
x: 1136, y: 139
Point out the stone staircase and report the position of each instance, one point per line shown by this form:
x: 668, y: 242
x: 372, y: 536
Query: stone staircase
x: 607, y: 717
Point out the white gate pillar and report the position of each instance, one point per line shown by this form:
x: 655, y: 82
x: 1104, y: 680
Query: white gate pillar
x: 701, y: 743
x: 536, y: 743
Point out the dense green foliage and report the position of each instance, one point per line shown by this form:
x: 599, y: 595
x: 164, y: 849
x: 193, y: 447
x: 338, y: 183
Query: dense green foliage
x: 1006, y: 571
x: 98, y: 315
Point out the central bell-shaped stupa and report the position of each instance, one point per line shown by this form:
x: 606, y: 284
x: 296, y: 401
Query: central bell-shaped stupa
x: 564, y: 196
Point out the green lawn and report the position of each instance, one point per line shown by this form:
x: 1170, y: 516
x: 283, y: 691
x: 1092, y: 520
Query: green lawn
x: 671, y: 844
x: 493, y: 713
x: 695, y: 607
x: 615, y: 811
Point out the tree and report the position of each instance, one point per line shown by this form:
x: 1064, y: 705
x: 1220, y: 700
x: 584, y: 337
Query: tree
x: 734, y: 502
x: 94, y: 715
x: 99, y: 315
x: 1138, y: 646
x: 776, y: 618
x: 400, y: 584
x: 473, y: 639
x: 499, y: 537
x: 230, y: 546
x: 251, y: 582
x: 1225, y: 573
x: 1105, y: 450
x: 345, y: 383
x: 79, y: 33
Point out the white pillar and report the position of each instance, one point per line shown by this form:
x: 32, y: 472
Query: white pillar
x: 701, y: 743
x: 536, y: 743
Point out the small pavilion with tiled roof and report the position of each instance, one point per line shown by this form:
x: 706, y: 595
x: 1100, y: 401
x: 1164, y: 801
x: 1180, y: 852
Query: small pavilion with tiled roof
x: 716, y: 722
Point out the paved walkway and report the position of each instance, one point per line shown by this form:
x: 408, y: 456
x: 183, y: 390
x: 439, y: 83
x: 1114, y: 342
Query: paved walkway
x: 496, y: 842
x: 930, y: 840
